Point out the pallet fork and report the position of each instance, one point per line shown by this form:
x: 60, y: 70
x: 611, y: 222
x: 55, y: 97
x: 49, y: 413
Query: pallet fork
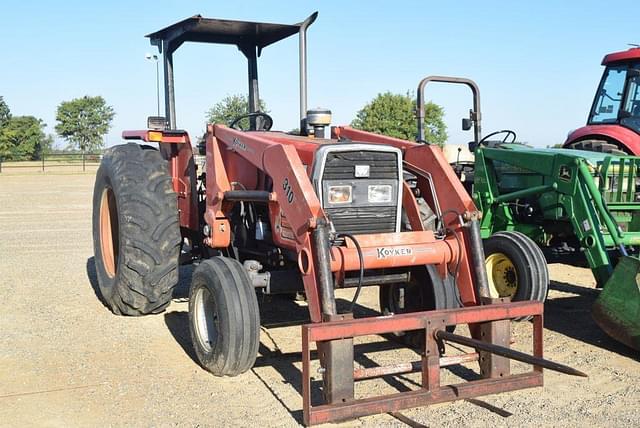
x: 335, y: 345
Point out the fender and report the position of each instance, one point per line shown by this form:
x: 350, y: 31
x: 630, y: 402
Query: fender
x: 624, y: 137
x: 175, y: 147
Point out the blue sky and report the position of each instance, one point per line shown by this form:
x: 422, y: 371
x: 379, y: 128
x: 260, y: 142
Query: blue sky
x: 537, y: 63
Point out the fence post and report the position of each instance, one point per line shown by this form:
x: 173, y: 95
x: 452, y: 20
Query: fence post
x: 0, y: 164
x: 83, y: 170
x: 43, y: 161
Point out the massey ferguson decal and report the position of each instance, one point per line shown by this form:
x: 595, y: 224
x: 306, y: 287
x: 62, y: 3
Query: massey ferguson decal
x: 239, y: 145
x: 384, y: 253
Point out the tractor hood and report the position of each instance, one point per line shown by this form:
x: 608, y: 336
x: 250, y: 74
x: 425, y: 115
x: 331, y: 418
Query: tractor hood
x: 593, y: 158
x: 305, y: 146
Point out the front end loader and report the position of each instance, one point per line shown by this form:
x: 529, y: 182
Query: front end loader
x: 278, y: 213
x: 572, y: 203
x: 576, y: 205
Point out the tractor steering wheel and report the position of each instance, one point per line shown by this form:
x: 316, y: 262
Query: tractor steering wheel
x: 265, y: 124
x: 508, y: 133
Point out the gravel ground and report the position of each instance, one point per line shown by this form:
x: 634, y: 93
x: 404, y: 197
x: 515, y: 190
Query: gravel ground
x: 65, y: 360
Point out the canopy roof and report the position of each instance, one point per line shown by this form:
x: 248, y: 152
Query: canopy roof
x: 223, y: 31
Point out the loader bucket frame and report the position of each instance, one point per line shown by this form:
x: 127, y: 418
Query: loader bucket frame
x: 617, y: 308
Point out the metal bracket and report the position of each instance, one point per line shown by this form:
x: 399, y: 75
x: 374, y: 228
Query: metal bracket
x: 336, y: 359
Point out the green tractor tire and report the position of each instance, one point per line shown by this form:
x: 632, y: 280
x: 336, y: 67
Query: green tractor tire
x: 516, y: 267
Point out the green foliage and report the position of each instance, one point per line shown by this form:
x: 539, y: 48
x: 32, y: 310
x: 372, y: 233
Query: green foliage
x: 231, y: 107
x: 5, y: 113
x: 83, y: 122
x: 394, y: 115
x: 23, y: 137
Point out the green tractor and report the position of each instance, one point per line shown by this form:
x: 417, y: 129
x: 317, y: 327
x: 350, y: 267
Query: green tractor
x: 576, y: 205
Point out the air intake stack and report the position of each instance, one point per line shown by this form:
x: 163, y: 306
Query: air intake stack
x: 318, y: 119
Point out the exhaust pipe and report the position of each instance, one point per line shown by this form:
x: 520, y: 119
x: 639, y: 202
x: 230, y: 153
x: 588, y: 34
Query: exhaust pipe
x: 303, y: 71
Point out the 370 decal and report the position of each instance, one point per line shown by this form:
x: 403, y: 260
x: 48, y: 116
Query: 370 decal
x: 288, y: 190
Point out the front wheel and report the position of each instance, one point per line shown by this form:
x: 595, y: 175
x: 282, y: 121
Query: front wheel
x: 224, y: 320
x: 516, y: 267
x: 426, y: 291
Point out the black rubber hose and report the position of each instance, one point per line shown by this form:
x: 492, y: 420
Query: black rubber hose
x: 361, y: 277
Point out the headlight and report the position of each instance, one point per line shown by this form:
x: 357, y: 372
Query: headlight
x: 380, y: 193
x: 339, y: 194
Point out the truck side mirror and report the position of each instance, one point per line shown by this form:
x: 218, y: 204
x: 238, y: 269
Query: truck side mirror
x: 466, y: 124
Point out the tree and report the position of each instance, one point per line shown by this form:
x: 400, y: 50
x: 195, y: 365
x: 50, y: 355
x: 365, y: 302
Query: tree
x: 83, y: 122
x: 394, y: 115
x: 23, y: 137
x: 230, y: 108
x: 5, y: 113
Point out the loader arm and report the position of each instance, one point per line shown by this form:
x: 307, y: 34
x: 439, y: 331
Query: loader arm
x: 292, y: 197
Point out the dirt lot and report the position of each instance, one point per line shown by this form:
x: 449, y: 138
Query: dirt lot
x: 65, y: 360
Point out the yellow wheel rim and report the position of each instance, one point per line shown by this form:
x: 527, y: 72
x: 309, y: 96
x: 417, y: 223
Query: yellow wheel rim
x: 503, y: 279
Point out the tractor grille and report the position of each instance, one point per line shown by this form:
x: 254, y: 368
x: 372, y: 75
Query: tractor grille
x: 360, y: 216
x: 363, y: 220
x: 341, y: 165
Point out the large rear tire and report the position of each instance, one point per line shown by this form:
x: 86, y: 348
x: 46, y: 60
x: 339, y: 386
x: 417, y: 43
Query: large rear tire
x: 516, y: 267
x: 136, y: 234
x: 224, y: 319
x: 598, y: 146
x: 426, y: 291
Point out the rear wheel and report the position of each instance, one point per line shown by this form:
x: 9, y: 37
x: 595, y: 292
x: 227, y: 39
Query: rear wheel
x: 516, y: 267
x: 426, y: 291
x: 136, y: 235
x: 224, y: 319
x: 598, y: 146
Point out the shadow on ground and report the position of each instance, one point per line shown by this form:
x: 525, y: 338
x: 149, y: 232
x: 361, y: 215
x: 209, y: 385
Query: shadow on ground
x: 280, y: 311
x: 92, y: 276
x: 571, y: 316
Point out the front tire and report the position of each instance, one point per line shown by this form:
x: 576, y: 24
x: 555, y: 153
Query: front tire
x: 426, y: 291
x: 136, y: 234
x: 516, y: 267
x: 224, y: 319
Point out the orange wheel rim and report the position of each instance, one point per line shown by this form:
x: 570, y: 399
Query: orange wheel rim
x: 109, y: 231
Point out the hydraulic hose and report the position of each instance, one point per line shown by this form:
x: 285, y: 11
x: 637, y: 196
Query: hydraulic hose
x: 361, y: 277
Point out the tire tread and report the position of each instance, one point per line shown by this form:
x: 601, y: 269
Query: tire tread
x: 147, y: 267
x: 236, y: 301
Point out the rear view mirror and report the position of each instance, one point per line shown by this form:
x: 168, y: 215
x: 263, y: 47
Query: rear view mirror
x: 466, y: 124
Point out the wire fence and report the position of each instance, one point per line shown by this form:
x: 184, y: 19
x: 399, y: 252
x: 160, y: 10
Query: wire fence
x: 63, y: 162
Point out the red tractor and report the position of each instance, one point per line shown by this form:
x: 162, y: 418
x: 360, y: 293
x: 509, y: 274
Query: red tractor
x: 614, y: 121
x: 277, y: 213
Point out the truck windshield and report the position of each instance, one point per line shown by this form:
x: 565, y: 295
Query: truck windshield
x: 609, y: 106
